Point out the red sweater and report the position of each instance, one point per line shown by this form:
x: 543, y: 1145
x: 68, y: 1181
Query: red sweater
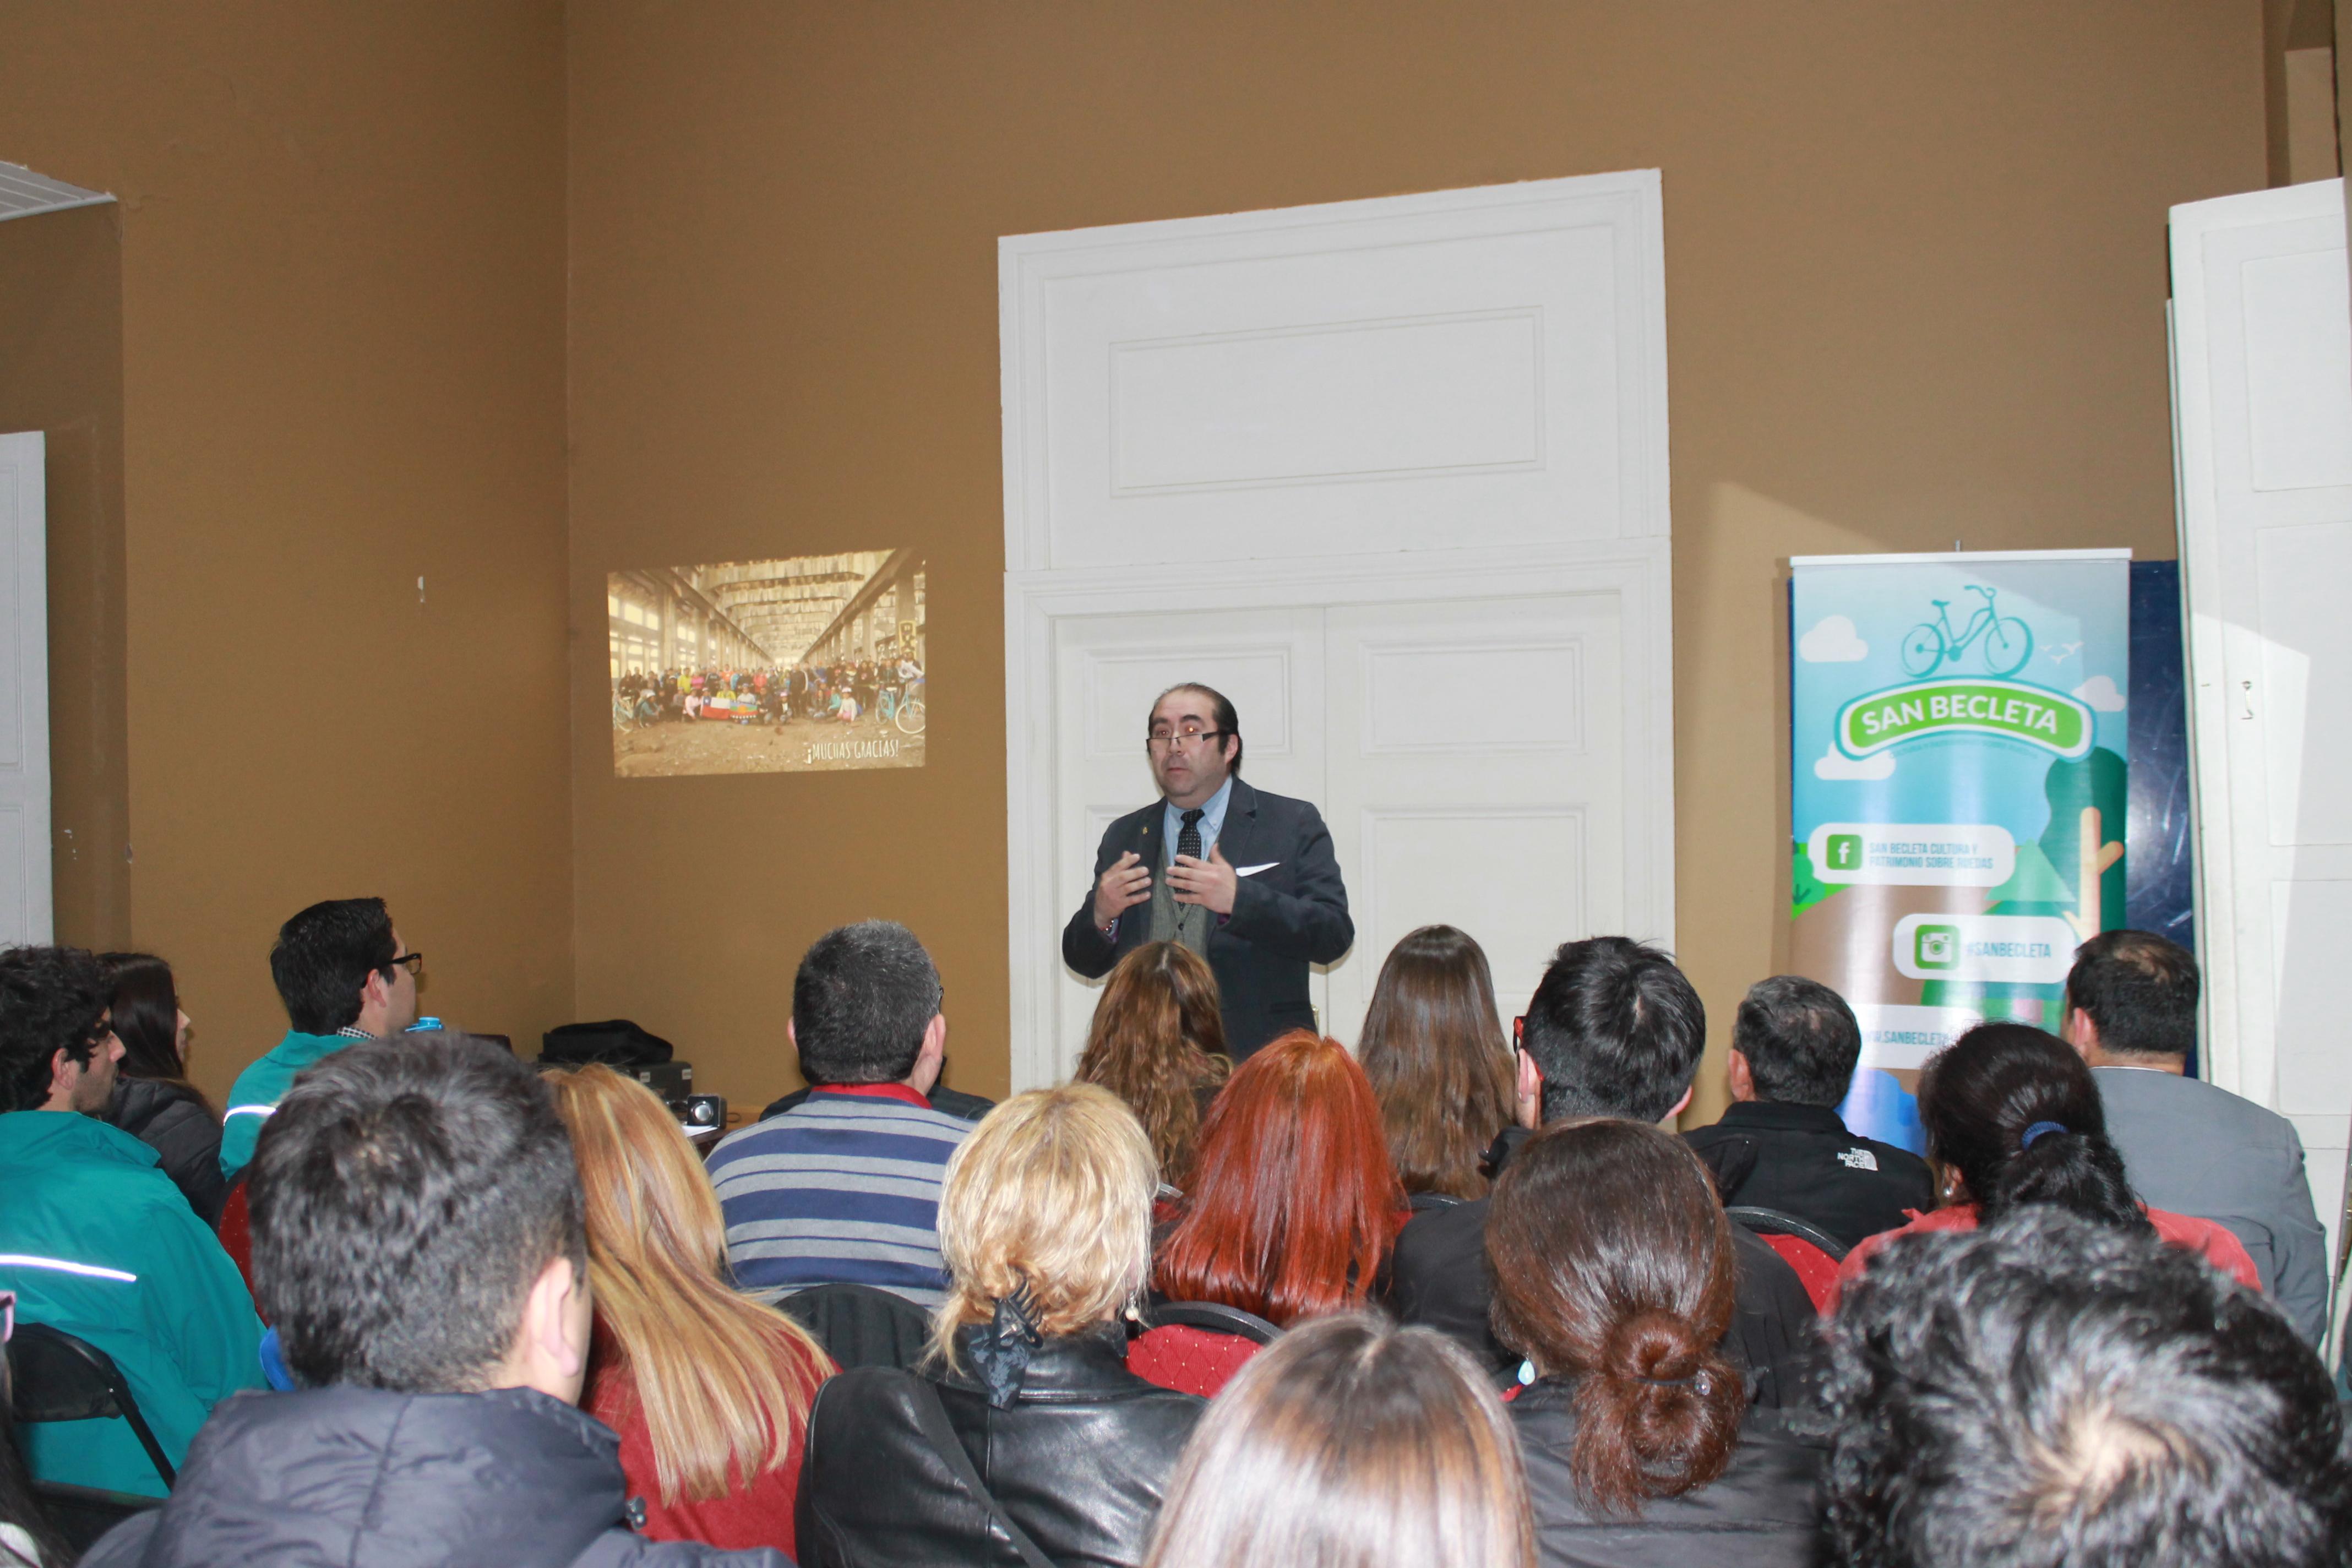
x: 760, y: 1514
x: 2212, y: 1242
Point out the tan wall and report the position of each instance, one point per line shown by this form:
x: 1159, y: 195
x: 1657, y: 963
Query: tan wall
x: 1915, y: 284
x: 341, y: 251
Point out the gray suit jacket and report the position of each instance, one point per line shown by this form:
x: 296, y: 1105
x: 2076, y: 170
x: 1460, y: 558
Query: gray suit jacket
x: 2197, y: 1150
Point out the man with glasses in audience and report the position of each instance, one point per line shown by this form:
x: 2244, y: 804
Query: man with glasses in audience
x: 95, y: 1240
x: 1243, y: 878
x: 344, y: 975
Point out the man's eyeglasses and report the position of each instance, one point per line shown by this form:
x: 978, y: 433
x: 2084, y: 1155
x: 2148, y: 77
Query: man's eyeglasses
x: 412, y: 961
x: 1161, y: 740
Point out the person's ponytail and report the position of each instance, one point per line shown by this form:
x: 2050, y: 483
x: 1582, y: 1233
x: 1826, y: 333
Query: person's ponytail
x: 1657, y: 1416
x: 2081, y: 1172
x: 1615, y: 1276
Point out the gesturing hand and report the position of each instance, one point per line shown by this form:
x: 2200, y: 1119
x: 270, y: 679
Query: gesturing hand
x: 1211, y: 882
x: 1127, y: 884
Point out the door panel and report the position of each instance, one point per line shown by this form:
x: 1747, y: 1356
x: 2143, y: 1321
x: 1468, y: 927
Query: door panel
x: 2263, y: 376
x: 1476, y: 780
x: 25, y: 888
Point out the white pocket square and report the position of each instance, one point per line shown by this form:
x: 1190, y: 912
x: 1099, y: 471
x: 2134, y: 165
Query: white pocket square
x: 1253, y: 870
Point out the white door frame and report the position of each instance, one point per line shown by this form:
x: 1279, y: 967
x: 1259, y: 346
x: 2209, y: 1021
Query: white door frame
x: 1635, y: 565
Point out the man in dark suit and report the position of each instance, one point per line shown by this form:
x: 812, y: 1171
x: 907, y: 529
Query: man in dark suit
x: 1243, y: 878
x: 1782, y: 1144
x: 1614, y: 1030
x: 2188, y: 1146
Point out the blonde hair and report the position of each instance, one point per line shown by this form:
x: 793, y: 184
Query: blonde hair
x: 1052, y: 1193
x: 1349, y: 1443
x: 725, y: 1384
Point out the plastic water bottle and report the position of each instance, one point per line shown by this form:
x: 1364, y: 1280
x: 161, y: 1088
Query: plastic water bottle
x: 421, y: 1025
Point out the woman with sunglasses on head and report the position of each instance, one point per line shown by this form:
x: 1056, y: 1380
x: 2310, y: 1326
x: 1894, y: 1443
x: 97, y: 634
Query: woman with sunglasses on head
x: 153, y: 1100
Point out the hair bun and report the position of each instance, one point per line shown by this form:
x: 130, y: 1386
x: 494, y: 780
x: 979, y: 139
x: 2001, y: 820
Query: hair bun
x: 1652, y: 1347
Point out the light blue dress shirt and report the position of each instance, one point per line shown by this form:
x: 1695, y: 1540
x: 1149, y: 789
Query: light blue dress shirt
x: 1213, y: 818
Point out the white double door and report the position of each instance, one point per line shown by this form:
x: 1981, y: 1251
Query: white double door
x: 1467, y: 754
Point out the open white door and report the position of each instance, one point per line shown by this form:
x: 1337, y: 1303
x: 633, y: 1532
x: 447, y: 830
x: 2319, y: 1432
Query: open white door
x: 25, y: 911
x: 2262, y: 375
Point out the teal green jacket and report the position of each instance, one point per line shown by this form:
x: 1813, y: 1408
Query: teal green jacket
x: 260, y: 1087
x: 96, y: 1241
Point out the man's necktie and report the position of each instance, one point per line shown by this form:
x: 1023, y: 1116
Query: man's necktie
x: 1188, y: 841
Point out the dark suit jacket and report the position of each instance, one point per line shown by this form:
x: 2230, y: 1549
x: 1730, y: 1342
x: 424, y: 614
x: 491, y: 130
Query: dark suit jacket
x: 1291, y: 914
x: 2196, y: 1148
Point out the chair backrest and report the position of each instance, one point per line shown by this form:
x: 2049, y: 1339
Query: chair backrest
x: 1214, y: 1317
x: 58, y: 1377
x: 1189, y: 1360
x: 859, y: 1325
x: 1811, y: 1251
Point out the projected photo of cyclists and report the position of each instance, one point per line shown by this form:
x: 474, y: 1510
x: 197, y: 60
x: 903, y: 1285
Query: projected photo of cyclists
x: 808, y: 664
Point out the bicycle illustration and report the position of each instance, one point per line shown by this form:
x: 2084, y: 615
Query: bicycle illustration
x: 2008, y: 642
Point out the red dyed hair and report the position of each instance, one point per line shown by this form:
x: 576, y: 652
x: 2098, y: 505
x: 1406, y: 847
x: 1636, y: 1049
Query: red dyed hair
x: 1294, y: 1202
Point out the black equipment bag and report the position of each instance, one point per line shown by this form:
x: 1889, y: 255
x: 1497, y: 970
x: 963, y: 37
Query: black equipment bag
x: 616, y: 1043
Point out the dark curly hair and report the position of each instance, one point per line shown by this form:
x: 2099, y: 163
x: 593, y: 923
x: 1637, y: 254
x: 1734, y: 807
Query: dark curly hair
x: 51, y: 999
x: 2049, y: 1392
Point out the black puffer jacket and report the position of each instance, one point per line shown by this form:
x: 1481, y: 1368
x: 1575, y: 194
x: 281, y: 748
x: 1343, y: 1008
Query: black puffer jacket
x: 359, y: 1478
x: 171, y: 1118
x: 1080, y: 1459
x: 1759, y: 1513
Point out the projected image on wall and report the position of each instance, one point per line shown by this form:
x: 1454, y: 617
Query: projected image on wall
x: 811, y: 664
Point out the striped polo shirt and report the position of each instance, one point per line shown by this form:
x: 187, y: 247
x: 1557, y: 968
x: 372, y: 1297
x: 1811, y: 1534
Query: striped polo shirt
x: 844, y: 1188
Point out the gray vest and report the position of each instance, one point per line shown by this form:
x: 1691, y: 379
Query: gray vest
x: 1172, y: 922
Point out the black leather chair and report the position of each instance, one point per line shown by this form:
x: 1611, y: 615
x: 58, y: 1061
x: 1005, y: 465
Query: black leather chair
x: 859, y: 1325
x: 57, y: 1377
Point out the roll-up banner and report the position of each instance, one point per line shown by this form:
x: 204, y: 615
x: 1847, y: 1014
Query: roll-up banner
x: 1957, y: 742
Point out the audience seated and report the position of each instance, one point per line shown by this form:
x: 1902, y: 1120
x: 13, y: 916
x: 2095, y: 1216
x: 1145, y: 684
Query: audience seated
x: 2052, y: 1390
x: 1433, y: 1046
x: 844, y: 1188
x: 1294, y: 1204
x: 1350, y: 1443
x: 344, y: 975
x: 2013, y: 1118
x: 1026, y: 1417
x: 2192, y: 1148
x: 1158, y: 1043
x: 1613, y: 1275
x: 709, y: 1390
x: 418, y: 1240
x: 1781, y: 1145
x: 1614, y: 1030
x: 27, y: 1539
x: 94, y: 1238
x: 153, y: 1100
